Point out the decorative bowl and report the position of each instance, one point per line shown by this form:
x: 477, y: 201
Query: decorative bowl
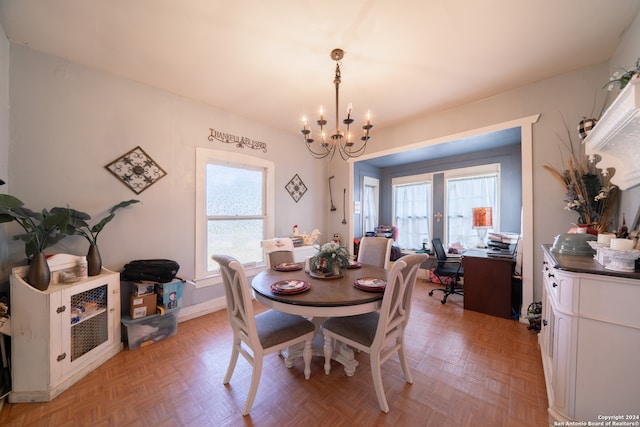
x: 573, y: 244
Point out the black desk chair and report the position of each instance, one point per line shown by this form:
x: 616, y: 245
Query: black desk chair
x: 448, y: 271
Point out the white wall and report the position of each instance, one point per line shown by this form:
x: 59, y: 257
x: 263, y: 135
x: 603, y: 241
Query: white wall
x: 4, y: 108
x: 69, y: 121
x: 4, y: 143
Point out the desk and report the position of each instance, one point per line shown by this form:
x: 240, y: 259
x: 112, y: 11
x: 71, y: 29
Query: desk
x: 488, y: 283
x: 326, y: 298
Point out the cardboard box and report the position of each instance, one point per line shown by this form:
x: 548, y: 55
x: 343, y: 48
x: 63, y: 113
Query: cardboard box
x: 142, y: 306
x: 169, y: 295
x: 148, y: 330
x: 143, y: 288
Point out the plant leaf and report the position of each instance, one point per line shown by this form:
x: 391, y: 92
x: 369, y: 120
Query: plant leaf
x: 123, y: 204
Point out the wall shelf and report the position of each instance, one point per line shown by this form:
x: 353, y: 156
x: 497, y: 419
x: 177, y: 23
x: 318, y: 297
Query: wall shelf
x: 616, y: 135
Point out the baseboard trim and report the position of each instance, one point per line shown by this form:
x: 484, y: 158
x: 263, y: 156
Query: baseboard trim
x: 197, y: 310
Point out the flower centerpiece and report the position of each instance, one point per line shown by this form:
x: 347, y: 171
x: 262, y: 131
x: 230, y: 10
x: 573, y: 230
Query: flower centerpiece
x: 330, y: 261
x: 588, y: 190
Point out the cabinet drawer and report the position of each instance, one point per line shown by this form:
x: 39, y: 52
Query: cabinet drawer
x: 610, y: 299
x: 560, y: 287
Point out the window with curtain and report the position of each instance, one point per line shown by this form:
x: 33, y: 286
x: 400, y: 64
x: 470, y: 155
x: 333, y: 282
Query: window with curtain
x: 370, y: 204
x: 463, y: 193
x: 412, y: 198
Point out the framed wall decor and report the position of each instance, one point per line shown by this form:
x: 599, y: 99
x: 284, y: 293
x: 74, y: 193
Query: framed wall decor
x: 136, y: 169
x: 296, y: 188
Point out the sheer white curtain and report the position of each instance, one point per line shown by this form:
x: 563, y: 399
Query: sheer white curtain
x: 464, y: 194
x: 412, y: 204
x: 369, y: 209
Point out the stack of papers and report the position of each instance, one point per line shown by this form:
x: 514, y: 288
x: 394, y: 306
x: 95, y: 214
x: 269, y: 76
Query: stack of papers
x: 503, y: 237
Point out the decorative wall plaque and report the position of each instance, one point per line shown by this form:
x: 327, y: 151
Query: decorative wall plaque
x: 296, y: 188
x: 239, y: 141
x: 136, y: 170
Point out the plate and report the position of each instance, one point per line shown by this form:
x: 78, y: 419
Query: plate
x: 370, y: 284
x: 287, y: 266
x: 354, y: 264
x: 290, y: 287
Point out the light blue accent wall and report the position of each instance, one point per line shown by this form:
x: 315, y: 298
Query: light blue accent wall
x: 508, y: 157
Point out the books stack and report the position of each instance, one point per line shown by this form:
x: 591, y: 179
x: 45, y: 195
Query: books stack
x: 297, y: 241
x: 503, y: 244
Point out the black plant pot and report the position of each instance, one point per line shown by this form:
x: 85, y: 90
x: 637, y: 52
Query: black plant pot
x: 39, y: 273
x: 94, y: 261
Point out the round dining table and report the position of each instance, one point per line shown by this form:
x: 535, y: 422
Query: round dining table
x: 325, y: 298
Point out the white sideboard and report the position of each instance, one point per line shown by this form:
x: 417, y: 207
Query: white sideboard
x: 60, y: 335
x: 590, y: 340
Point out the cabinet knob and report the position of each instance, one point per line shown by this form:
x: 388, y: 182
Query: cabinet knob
x: 554, y: 284
x: 544, y: 322
x: 551, y: 275
x: 61, y: 357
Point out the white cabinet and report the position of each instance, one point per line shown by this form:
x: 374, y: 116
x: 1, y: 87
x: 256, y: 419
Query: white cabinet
x: 590, y: 340
x: 300, y: 253
x: 60, y: 335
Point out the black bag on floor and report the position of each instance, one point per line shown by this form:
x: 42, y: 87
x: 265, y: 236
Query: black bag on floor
x: 155, y: 270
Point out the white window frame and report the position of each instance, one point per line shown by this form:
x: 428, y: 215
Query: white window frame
x: 205, y: 156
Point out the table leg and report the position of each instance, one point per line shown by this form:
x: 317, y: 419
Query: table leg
x: 340, y: 352
x: 317, y: 346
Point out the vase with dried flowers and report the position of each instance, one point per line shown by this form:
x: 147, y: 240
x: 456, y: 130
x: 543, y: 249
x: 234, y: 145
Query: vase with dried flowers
x: 589, y: 191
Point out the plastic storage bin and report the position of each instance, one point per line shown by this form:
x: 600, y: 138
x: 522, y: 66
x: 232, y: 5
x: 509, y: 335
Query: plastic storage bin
x: 147, y: 330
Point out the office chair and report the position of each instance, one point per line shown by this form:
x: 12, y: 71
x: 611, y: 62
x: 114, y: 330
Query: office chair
x: 379, y: 333
x: 448, y: 271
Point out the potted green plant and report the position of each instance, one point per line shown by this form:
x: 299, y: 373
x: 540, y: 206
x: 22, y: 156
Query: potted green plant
x: 41, y: 230
x: 78, y: 225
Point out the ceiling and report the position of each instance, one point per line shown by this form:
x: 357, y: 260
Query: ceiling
x: 269, y: 61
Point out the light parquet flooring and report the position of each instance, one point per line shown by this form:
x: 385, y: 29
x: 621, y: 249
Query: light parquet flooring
x: 469, y: 369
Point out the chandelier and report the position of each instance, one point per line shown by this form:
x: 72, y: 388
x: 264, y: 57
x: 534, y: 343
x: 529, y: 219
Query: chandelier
x: 338, y: 140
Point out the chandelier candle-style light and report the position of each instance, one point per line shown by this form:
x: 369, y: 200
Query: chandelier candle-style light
x: 343, y: 141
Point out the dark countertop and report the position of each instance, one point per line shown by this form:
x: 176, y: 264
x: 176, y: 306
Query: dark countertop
x: 584, y: 264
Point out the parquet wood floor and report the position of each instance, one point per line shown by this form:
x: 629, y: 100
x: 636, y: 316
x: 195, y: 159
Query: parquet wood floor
x: 469, y: 369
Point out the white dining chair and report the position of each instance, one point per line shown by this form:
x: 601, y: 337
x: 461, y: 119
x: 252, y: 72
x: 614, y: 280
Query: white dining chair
x: 256, y: 336
x: 375, y: 250
x: 379, y: 333
x: 278, y: 251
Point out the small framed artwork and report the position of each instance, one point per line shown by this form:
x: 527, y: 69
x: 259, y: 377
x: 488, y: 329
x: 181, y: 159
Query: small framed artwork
x: 136, y: 169
x: 296, y: 188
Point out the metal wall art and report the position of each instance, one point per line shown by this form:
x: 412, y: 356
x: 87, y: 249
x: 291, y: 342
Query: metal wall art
x: 240, y: 141
x: 296, y: 188
x: 136, y: 170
